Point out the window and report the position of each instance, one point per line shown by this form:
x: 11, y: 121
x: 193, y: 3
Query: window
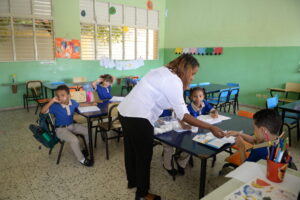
x: 29, y: 37
x: 129, y: 34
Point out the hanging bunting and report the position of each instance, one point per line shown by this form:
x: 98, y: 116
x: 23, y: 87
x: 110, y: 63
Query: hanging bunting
x: 125, y: 29
x: 218, y: 51
x: 149, y: 5
x: 193, y: 51
x: 209, y: 51
x: 112, y: 10
x: 178, y: 51
x: 200, y: 51
x: 186, y: 50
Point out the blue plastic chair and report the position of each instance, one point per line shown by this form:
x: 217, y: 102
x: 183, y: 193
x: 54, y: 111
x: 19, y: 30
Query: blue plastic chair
x: 234, y: 99
x: 291, y: 120
x: 233, y: 84
x: 222, y: 100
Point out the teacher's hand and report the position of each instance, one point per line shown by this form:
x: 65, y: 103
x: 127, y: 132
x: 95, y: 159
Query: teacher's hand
x: 217, y: 132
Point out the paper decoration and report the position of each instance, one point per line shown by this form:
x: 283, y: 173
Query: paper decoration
x: 67, y: 48
x: 112, y: 10
x: 193, y: 51
x: 200, y: 51
x: 149, y: 5
x: 125, y: 29
x: 83, y: 13
x: 178, y: 51
x: 209, y: 51
x: 121, y: 65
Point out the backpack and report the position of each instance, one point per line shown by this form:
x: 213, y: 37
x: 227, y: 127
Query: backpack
x: 43, y: 132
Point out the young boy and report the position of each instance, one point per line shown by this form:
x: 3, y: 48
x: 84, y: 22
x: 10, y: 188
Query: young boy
x: 267, y: 124
x: 103, y: 88
x: 63, y: 108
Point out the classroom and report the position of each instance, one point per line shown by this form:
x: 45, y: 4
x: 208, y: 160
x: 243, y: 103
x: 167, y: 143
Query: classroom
x: 149, y: 99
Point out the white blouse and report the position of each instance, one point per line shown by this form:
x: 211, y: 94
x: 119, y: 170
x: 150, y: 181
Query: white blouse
x: 158, y: 90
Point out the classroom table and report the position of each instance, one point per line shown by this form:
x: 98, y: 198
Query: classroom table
x: 293, y: 107
x: 233, y: 184
x: 183, y: 141
x: 213, y: 88
x: 52, y: 87
x: 89, y: 117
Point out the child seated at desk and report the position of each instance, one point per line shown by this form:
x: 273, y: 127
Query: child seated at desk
x: 63, y: 108
x: 267, y: 124
x: 103, y: 88
x: 198, y: 106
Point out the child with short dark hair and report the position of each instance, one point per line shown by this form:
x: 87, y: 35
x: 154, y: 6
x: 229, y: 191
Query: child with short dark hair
x: 103, y: 88
x: 267, y: 124
x: 63, y: 108
x: 199, y: 106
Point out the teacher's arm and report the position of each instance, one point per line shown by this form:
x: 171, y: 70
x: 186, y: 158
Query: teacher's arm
x: 195, y: 122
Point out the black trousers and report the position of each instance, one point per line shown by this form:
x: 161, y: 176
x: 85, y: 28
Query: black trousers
x: 138, y: 148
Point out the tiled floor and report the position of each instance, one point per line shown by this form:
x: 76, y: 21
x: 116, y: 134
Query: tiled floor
x: 27, y: 172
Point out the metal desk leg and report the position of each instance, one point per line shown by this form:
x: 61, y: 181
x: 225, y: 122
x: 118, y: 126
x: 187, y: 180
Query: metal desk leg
x: 282, y: 118
x: 52, y: 93
x: 89, y: 121
x: 202, y: 178
x: 46, y: 92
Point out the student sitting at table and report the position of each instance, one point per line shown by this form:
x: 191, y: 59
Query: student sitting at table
x: 63, y: 108
x: 103, y: 88
x: 199, y: 106
x: 267, y: 124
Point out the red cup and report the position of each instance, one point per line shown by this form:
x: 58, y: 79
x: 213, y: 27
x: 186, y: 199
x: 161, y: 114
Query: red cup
x: 276, y: 171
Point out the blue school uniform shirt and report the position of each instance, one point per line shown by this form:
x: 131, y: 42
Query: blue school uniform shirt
x: 166, y: 113
x: 258, y: 154
x: 61, y: 116
x: 204, y: 111
x: 104, y: 93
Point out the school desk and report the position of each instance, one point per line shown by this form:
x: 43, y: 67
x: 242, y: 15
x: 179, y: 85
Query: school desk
x: 233, y: 184
x: 52, y: 87
x: 183, y: 141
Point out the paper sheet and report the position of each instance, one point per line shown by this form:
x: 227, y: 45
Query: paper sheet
x: 88, y: 109
x: 117, y: 99
x: 210, y: 140
x: 250, y: 170
x: 210, y: 120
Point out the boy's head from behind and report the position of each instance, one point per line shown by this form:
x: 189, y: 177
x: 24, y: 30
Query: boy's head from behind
x: 197, y: 95
x: 107, y: 80
x: 63, y: 94
x: 267, y: 124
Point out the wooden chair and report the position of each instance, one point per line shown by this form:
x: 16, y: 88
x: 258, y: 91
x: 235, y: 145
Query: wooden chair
x: 113, y: 124
x: 34, y: 91
x: 79, y: 80
x: 289, y: 88
x: 79, y: 96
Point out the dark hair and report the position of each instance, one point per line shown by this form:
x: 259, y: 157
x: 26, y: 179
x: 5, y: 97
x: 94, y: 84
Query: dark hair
x: 107, y: 77
x: 63, y: 87
x: 269, y: 119
x: 195, y: 89
x: 181, y: 65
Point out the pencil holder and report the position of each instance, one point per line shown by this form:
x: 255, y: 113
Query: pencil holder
x: 276, y: 171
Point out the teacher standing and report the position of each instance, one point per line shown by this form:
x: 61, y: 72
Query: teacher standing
x: 160, y: 89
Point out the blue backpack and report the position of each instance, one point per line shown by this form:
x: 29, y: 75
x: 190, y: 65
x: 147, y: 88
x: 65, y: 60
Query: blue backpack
x: 44, y: 131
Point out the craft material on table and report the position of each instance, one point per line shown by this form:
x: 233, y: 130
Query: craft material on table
x: 210, y: 140
x: 208, y: 119
x: 88, y: 109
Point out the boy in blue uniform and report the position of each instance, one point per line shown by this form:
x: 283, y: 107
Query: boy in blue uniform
x: 199, y: 106
x: 267, y: 124
x: 63, y: 108
x: 103, y: 88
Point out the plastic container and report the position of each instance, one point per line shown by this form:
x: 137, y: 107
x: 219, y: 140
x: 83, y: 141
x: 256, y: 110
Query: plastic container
x: 276, y: 171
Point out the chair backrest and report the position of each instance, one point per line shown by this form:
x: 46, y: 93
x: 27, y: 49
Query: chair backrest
x: 234, y: 91
x: 96, y: 97
x: 79, y: 96
x: 36, y: 88
x: 204, y: 83
x: 244, y: 113
x: 79, y: 79
x: 295, y: 87
x: 193, y: 85
x: 223, y: 93
x: 272, y: 102
x: 233, y: 84
x: 113, y: 113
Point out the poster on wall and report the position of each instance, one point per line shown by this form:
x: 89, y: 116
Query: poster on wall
x: 121, y: 64
x: 67, y: 48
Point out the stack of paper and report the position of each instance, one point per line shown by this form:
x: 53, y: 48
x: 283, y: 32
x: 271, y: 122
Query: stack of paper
x: 208, y: 119
x: 116, y: 99
x: 210, y: 140
x: 88, y: 109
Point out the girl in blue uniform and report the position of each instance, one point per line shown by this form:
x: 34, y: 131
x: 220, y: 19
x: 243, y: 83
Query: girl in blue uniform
x: 103, y: 88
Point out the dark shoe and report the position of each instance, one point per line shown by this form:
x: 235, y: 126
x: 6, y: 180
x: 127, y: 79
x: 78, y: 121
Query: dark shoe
x: 148, y: 197
x: 85, y: 153
x: 172, y: 172
x: 87, y: 163
x: 179, y: 168
x: 131, y: 185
